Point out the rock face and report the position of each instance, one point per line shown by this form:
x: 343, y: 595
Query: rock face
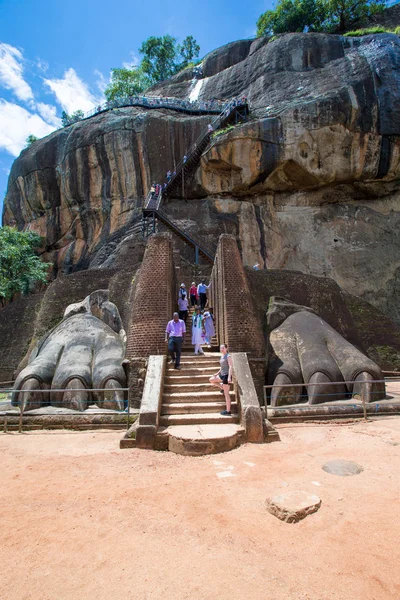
x: 309, y: 183
x: 84, y: 184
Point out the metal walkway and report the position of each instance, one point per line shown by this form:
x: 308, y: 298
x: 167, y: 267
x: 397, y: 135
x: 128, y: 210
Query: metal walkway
x: 234, y: 111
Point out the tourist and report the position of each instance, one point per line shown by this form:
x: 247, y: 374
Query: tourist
x: 182, y: 290
x: 210, y: 128
x: 202, y: 293
x: 197, y: 331
x: 183, y: 307
x: 176, y: 330
x: 169, y: 175
x: 223, y: 378
x: 193, y: 294
x: 209, y: 326
x: 256, y: 267
x: 184, y: 159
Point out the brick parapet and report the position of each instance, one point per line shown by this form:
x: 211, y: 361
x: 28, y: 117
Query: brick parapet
x: 236, y: 319
x: 154, y: 299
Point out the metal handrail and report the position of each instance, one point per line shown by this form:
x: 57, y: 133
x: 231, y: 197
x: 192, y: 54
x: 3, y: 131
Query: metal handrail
x: 202, y: 107
x: 190, y: 238
x: 215, y: 124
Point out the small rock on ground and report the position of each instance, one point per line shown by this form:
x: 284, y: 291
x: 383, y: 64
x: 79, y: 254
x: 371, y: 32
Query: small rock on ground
x: 293, y: 506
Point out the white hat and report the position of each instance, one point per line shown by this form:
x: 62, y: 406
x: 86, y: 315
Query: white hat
x: 182, y: 285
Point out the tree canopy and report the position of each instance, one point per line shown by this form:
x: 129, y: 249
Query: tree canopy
x: 316, y: 15
x: 31, y: 139
x: 19, y: 264
x: 162, y: 58
x: 67, y: 119
x: 126, y: 82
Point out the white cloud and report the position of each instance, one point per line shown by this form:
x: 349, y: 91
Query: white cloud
x: 16, y: 123
x: 48, y: 113
x: 72, y: 93
x: 134, y: 62
x: 42, y: 65
x: 101, y: 81
x: 11, y: 69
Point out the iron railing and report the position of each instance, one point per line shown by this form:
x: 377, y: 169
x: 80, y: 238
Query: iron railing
x: 181, y: 105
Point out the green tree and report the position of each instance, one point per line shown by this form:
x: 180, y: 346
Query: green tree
x: 30, y: 139
x: 188, y: 50
x: 316, y: 15
x: 159, y: 57
x: 67, y: 119
x: 344, y: 14
x: 292, y: 16
x: 126, y: 82
x: 19, y: 264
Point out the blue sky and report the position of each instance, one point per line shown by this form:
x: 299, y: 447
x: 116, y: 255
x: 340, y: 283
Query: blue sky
x: 56, y: 55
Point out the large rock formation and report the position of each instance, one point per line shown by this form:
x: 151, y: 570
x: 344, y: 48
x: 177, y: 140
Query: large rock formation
x: 310, y: 183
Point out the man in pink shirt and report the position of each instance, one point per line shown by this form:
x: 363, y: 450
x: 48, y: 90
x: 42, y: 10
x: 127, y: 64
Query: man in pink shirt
x: 176, y: 330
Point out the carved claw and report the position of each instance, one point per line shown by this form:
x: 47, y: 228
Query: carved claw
x: 74, y: 396
x: 114, y: 396
x: 284, y: 395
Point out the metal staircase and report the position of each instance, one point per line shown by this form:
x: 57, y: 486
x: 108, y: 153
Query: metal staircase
x: 234, y: 111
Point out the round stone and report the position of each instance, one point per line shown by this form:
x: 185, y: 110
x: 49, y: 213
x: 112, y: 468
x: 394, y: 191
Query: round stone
x: 343, y: 468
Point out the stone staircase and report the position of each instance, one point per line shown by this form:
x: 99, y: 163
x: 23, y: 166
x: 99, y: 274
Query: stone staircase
x: 191, y: 406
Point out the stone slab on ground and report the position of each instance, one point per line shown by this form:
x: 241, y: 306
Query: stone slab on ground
x: 293, y: 506
x: 196, y: 440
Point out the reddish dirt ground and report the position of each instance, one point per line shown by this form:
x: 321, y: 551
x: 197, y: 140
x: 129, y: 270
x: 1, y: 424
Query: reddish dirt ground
x: 83, y: 520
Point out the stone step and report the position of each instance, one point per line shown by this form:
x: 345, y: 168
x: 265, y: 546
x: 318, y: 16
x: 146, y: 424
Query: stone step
x: 197, y: 419
x: 172, y: 378
x: 204, y: 386
x: 187, y: 370
x: 195, y: 396
x: 197, y: 360
x: 182, y: 408
x: 197, y: 440
x: 190, y: 355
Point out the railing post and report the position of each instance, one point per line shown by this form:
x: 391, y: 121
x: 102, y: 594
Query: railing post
x: 196, y: 250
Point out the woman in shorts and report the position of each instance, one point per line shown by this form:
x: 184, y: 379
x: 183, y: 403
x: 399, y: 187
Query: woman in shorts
x: 223, y: 378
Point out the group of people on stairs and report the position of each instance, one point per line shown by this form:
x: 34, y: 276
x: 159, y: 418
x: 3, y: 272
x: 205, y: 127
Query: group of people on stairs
x: 203, y: 330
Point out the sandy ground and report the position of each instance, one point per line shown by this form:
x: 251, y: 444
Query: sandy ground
x: 82, y: 519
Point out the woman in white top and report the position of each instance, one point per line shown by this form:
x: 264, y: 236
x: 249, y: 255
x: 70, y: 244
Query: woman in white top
x: 209, y: 327
x: 198, y: 331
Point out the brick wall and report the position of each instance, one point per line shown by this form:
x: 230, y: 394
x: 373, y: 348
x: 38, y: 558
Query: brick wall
x: 152, y: 307
x: 236, y: 320
x: 17, y: 321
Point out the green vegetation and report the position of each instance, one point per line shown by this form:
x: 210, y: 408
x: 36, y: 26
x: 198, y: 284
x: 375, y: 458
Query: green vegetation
x: 126, y: 82
x: 30, y: 139
x: 67, y: 119
x: 222, y: 131
x: 162, y: 58
x: 331, y: 16
x: 20, y: 267
x: 367, y: 31
x: 388, y: 358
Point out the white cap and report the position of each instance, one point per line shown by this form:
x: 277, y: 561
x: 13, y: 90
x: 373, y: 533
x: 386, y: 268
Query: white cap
x: 182, y: 285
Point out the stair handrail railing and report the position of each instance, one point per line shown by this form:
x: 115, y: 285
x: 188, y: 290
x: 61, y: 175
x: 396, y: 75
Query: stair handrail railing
x: 206, y: 107
x: 215, y: 124
x: 208, y: 251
